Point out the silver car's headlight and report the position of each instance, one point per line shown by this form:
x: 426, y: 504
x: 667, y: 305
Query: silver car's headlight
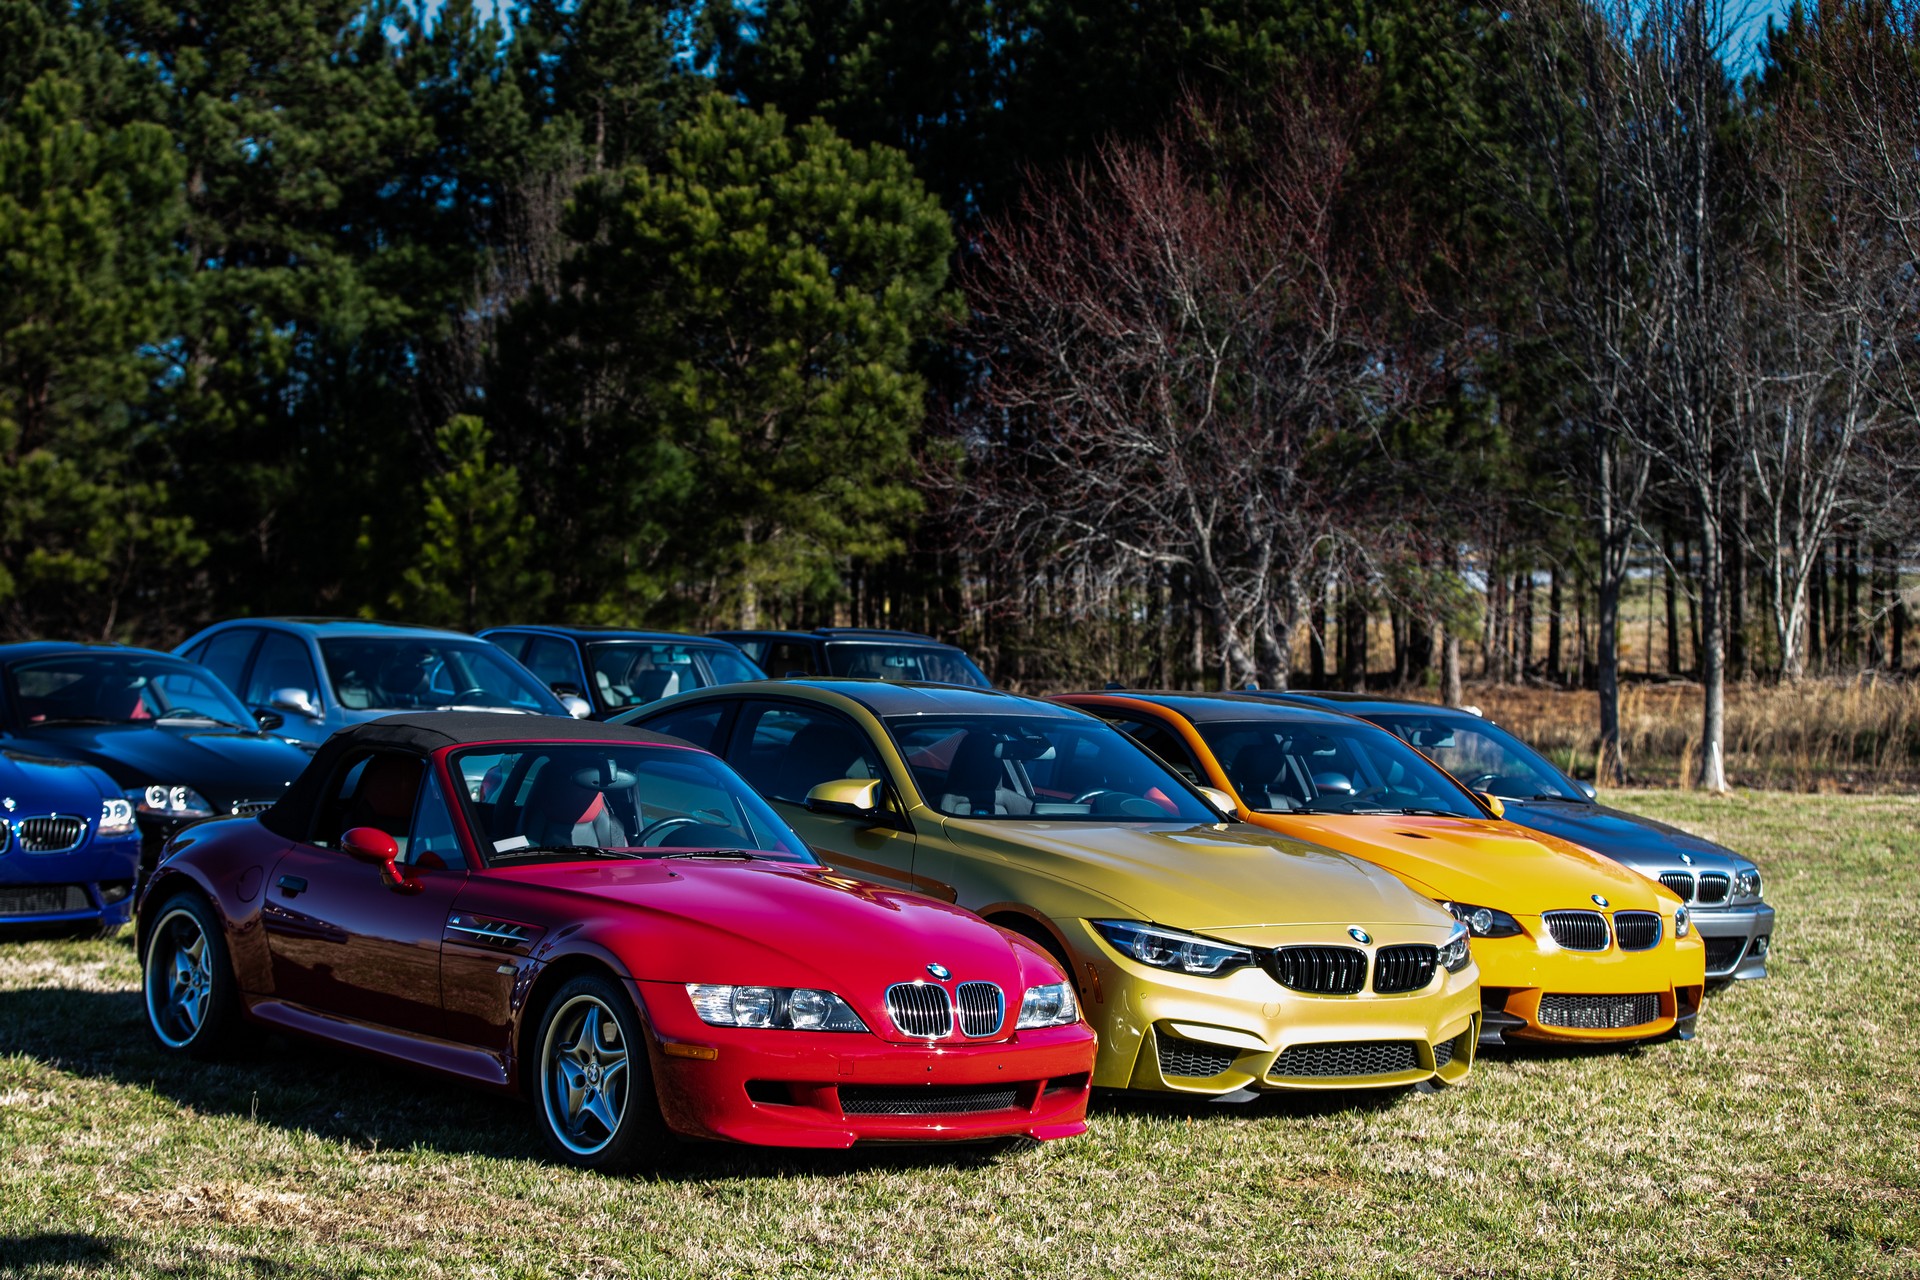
x: 775, y: 1008
x: 1172, y: 949
x: 1051, y: 1005
x: 1682, y: 922
x: 116, y: 817
x: 1746, y: 885
x: 163, y: 801
x: 1455, y: 953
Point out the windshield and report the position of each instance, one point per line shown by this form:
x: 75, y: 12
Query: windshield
x: 562, y: 802
x: 1035, y: 767
x: 1328, y: 768
x: 1482, y: 755
x: 632, y: 673
x: 938, y: 664
x: 379, y: 673
x: 121, y: 688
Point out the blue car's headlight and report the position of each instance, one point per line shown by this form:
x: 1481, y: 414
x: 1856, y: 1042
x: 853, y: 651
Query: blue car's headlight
x: 778, y: 1008
x: 1051, y: 1005
x: 162, y: 801
x: 1172, y: 949
x: 116, y: 817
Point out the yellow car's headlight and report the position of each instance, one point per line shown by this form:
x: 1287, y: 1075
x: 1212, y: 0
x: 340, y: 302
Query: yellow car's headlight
x: 1172, y: 949
x: 1485, y: 922
x: 1454, y: 952
x: 1682, y: 922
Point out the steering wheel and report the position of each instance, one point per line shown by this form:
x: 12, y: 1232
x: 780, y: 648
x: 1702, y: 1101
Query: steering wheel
x: 645, y: 838
x: 1097, y: 791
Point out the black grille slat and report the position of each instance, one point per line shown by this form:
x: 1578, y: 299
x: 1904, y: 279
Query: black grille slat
x: 1598, y: 1013
x: 920, y: 1009
x: 1713, y: 888
x: 1724, y: 953
x: 43, y: 899
x: 1404, y: 968
x: 1356, y: 1058
x: 915, y: 1100
x: 1681, y: 882
x: 1327, y: 971
x: 983, y: 1007
x: 57, y: 834
x: 1577, y: 930
x: 1191, y: 1058
x: 1636, y: 930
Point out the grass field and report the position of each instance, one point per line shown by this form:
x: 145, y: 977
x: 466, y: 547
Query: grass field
x: 1784, y: 1141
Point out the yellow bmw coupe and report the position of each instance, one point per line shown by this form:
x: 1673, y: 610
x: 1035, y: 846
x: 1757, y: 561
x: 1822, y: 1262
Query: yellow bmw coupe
x: 1572, y: 946
x: 1208, y: 955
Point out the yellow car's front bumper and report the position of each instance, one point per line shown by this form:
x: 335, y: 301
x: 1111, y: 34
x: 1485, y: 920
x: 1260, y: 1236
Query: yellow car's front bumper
x: 1180, y: 1033
x: 1533, y: 990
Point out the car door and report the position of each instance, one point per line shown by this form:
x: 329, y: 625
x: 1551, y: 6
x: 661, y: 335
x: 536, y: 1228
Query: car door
x: 344, y: 942
x: 785, y: 749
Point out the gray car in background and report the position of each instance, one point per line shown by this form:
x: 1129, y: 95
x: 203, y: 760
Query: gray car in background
x: 1722, y: 887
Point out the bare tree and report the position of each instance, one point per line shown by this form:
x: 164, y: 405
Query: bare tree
x: 1172, y: 340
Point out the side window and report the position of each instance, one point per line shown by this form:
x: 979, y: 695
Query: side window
x: 514, y: 642
x: 784, y: 750
x: 784, y: 657
x: 700, y: 724
x: 552, y: 661
x: 373, y: 789
x: 282, y: 663
x: 433, y: 843
x: 1166, y: 744
x: 226, y: 655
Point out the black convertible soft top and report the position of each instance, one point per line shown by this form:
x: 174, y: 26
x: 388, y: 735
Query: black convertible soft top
x: 425, y: 731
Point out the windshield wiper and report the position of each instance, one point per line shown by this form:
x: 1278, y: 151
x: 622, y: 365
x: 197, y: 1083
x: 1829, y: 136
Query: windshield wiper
x: 740, y: 855
x: 202, y: 717
x: 593, y: 849
x: 37, y: 724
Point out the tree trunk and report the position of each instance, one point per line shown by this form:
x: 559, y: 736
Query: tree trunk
x: 1553, y: 624
x: 1451, y: 692
x: 1610, y: 766
x: 1713, y: 651
x: 1317, y: 640
x: 1673, y: 616
x: 1353, y: 640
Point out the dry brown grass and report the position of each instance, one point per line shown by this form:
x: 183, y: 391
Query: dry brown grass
x: 1825, y: 735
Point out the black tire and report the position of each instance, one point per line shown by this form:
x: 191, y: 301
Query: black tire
x: 594, y: 1100
x: 186, y: 979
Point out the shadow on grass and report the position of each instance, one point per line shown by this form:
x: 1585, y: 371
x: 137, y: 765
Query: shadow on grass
x: 358, y: 1101
x: 59, y: 1251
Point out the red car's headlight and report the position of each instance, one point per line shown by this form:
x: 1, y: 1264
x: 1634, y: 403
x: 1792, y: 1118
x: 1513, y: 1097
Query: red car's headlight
x: 782, y: 1008
x: 1049, y: 1006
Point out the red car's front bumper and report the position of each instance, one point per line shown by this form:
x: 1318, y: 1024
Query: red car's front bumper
x: 833, y: 1089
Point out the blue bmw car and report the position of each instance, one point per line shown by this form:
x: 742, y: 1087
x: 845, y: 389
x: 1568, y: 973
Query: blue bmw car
x: 69, y: 847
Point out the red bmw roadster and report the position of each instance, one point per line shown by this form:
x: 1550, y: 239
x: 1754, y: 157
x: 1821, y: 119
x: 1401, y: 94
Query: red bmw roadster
x: 615, y: 925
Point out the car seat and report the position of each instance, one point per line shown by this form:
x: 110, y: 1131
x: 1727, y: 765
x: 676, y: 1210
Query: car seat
x: 563, y: 811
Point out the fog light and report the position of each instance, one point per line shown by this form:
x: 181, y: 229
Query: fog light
x: 115, y: 890
x: 1760, y: 945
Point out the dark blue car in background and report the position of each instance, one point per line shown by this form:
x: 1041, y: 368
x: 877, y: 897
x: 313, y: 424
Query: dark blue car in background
x: 69, y: 847
x: 619, y: 670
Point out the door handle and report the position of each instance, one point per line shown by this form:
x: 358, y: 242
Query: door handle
x: 292, y: 885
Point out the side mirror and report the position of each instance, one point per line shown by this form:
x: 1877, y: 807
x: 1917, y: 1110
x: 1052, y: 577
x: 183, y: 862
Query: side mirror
x: 371, y: 844
x: 1494, y: 803
x: 268, y: 719
x: 577, y: 707
x: 1588, y: 790
x: 1221, y: 801
x: 846, y: 798
x: 298, y: 701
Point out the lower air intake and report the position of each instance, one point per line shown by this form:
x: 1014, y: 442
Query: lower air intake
x: 1191, y: 1058
x: 1359, y: 1058
x: 42, y: 899
x: 1724, y: 953
x: 914, y: 1100
x: 1598, y: 1013
x: 1442, y: 1054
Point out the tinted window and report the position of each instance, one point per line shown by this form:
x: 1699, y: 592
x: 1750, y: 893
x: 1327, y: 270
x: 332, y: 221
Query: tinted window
x: 282, y: 664
x: 787, y: 657
x: 1326, y: 768
x: 370, y: 789
x: 785, y: 750
x: 1035, y: 767
x: 551, y: 661
x: 698, y: 724
x: 937, y: 663
x: 513, y: 642
x: 226, y: 655
x: 378, y: 673
x: 120, y: 688
x: 433, y: 842
x: 1482, y: 755
x: 570, y: 801
x: 731, y: 668
x: 632, y: 673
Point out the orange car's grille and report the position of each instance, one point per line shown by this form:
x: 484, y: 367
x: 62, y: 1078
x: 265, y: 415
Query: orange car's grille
x: 1598, y: 1013
x: 1326, y: 971
x: 1636, y: 930
x: 1578, y: 930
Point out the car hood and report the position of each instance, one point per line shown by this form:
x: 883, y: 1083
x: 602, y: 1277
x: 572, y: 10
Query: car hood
x: 781, y: 924
x: 1641, y: 843
x: 1483, y: 862
x: 32, y: 786
x: 1206, y: 878
x: 227, y: 766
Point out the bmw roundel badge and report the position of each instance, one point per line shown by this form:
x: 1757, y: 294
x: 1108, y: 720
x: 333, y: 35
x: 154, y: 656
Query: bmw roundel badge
x: 1358, y: 934
x: 940, y: 971
x: 1598, y: 901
